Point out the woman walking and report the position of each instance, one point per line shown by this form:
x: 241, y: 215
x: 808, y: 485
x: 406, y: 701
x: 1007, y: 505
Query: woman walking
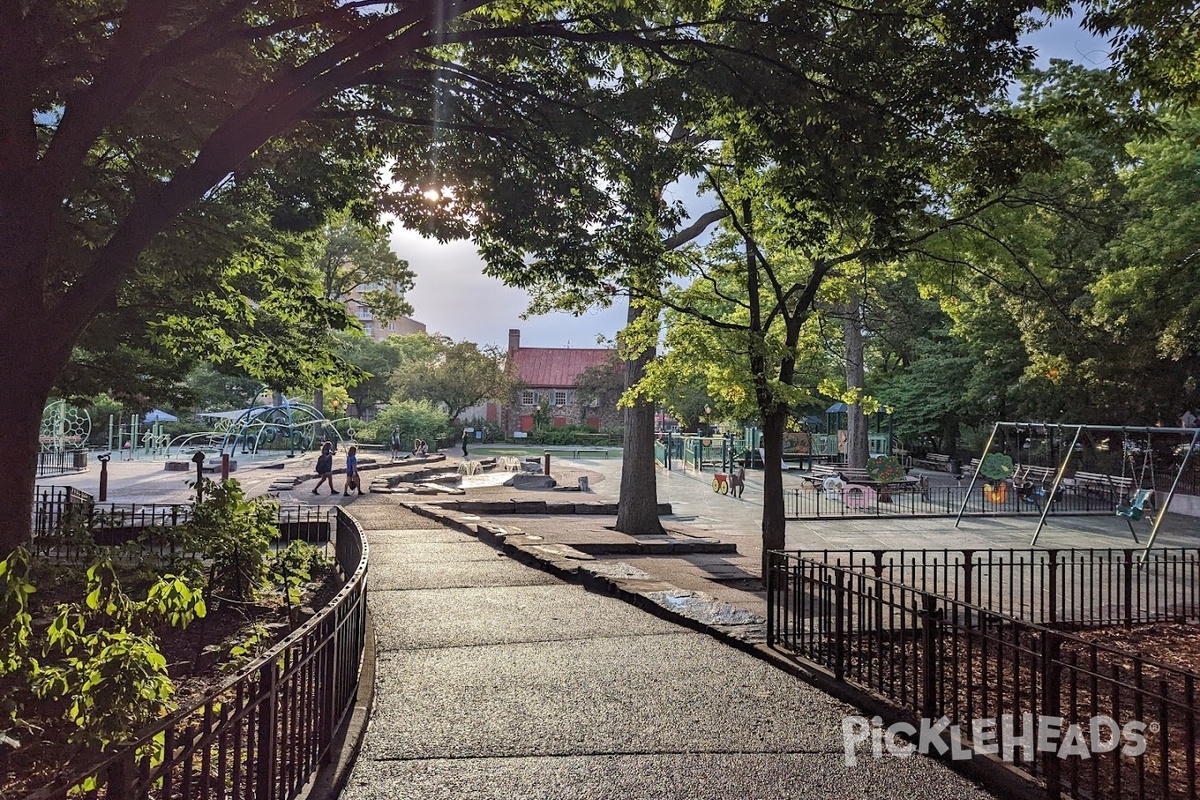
x: 325, y: 468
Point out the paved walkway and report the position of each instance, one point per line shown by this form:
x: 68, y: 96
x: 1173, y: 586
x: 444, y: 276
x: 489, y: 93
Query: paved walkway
x: 495, y: 680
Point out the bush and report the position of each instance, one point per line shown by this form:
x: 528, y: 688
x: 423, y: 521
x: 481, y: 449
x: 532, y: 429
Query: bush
x: 574, y: 434
x: 417, y: 419
x: 234, y: 536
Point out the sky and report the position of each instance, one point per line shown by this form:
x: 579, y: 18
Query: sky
x: 453, y: 297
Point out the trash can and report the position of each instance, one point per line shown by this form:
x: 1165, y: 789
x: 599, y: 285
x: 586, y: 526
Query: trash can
x: 583, y: 483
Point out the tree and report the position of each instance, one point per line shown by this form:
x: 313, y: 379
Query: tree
x: 356, y: 262
x: 600, y: 387
x: 377, y: 361
x: 457, y: 376
x: 124, y: 121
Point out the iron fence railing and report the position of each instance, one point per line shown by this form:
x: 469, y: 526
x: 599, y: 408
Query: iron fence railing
x: 1021, y: 683
x: 1091, y: 587
x: 60, y: 462
x: 265, y: 732
x: 938, y: 501
x: 67, y: 522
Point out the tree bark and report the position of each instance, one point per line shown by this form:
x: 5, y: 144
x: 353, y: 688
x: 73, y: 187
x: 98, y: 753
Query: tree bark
x: 857, y: 448
x: 774, y: 524
x: 637, y: 511
x: 31, y: 368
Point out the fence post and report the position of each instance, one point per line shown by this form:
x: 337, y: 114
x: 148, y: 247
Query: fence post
x: 929, y: 656
x: 1127, y: 576
x: 839, y: 624
x: 772, y: 591
x: 1051, y: 705
x: 268, y: 734
x: 119, y: 775
x: 968, y: 583
x: 1052, y: 584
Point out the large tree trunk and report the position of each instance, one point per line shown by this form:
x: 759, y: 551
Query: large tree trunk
x: 30, y: 370
x: 773, y: 522
x: 857, y: 448
x: 637, y: 512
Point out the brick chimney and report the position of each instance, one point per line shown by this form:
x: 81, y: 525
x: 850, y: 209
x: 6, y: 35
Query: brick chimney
x: 514, y: 340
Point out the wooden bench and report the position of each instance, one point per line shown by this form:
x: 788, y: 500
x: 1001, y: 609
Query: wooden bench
x: 933, y: 461
x: 820, y: 472
x: 1100, y: 483
x: 1044, y: 475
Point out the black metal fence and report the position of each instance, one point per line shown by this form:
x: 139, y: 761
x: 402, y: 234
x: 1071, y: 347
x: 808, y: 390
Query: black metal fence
x: 60, y: 462
x: 1093, y: 587
x: 941, y: 501
x: 67, y: 522
x: 265, y: 732
x: 1000, y: 680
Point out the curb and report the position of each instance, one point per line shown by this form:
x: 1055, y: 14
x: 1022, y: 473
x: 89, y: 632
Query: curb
x: 996, y: 776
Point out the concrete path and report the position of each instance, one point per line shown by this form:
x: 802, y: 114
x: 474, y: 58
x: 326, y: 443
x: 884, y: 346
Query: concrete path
x: 495, y: 680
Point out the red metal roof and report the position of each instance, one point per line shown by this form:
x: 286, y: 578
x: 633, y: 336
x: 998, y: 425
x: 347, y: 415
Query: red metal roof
x: 555, y: 367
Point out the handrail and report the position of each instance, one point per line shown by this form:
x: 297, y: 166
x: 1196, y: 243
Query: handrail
x: 265, y: 731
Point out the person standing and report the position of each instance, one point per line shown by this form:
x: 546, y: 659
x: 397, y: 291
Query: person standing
x: 325, y: 468
x: 466, y: 436
x: 353, y: 479
x: 395, y: 442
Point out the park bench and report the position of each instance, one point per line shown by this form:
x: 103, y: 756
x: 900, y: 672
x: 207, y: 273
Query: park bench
x: 1100, y: 483
x: 933, y: 461
x: 1043, y: 475
x: 820, y: 472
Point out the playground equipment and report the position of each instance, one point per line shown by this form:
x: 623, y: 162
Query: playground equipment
x: 63, y: 428
x: 1129, y: 504
x: 287, y: 424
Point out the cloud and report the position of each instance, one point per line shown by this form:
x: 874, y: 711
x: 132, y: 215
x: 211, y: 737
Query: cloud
x: 453, y: 297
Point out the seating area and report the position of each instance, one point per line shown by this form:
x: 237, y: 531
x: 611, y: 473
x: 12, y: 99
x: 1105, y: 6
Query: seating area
x: 819, y: 472
x: 933, y: 461
x: 1099, y: 482
x: 1081, y: 481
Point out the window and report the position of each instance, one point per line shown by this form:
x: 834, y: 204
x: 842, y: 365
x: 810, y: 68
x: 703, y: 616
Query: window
x: 369, y: 328
x: 528, y: 397
x: 391, y: 326
x: 560, y: 397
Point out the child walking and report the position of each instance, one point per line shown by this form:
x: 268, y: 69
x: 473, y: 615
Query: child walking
x: 353, y: 480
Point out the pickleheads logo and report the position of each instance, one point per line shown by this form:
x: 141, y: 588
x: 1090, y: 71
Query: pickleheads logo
x: 995, y: 736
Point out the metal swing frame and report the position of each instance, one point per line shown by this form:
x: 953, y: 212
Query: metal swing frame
x: 1060, y: 473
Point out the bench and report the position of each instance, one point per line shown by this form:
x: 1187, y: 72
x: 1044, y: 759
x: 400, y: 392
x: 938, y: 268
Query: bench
x: 1100, y: 483
x: 1044, y: 475
x: 820, y: 472
x: 933, y: 461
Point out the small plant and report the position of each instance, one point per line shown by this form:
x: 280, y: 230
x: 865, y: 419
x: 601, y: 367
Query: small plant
x: 97, y: 662
x: 293, y: 567
x: 234, y: 536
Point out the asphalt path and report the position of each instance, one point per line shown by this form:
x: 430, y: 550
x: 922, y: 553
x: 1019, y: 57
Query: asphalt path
x: 496, y: 680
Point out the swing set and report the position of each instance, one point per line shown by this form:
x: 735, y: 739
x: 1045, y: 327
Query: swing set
x: 1133, y: 491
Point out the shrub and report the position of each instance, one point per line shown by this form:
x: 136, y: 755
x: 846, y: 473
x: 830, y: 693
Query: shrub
x: 96, y: 664
x: 573, y: 434
x: 234, y: 537
x: 417, y: 419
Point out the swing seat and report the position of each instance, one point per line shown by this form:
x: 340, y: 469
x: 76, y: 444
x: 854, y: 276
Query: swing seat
x: 1137, y: 505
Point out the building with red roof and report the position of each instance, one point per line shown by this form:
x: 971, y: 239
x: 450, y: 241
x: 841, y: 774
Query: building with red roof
x: 549, y: 377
